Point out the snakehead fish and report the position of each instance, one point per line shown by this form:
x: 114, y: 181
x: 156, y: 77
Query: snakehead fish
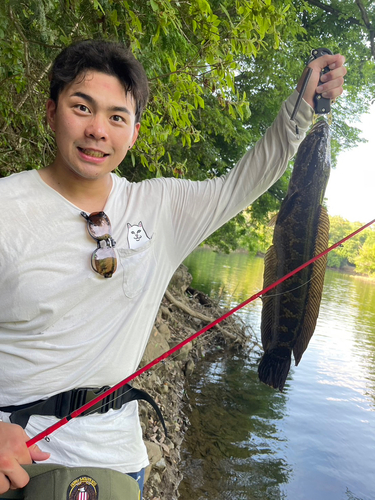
x: 290, y: 311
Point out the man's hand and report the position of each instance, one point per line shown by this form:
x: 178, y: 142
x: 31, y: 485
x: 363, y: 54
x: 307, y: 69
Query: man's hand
x: 13, y: 452
x: 332, y: 81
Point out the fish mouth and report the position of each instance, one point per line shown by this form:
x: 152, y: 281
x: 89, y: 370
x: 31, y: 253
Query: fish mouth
x: 93, y: 152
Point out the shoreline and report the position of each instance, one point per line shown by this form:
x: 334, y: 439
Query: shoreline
x: 347, y: 269
x: 183, y: 312
x: 350, y: 271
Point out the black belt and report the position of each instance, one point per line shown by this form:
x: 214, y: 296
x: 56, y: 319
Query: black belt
x: 63, y: 404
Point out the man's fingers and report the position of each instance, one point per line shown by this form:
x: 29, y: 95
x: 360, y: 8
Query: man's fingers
x: 12, y: 475
x: 37, y: 454
x: 4, y: 483
x: 331, y: 84
x: 334, y: 74
x: 13, y: 453
x: 332, y: 61
x: 15, y: 477
x: 19, y: 480
x: 331, y: 93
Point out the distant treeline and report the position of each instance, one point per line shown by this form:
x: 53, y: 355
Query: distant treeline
x: 359, y: 251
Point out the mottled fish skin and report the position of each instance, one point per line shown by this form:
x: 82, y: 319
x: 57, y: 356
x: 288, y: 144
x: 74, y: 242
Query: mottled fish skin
x: 291, y: 309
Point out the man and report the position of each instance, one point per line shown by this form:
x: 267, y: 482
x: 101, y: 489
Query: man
x: 85, y: 256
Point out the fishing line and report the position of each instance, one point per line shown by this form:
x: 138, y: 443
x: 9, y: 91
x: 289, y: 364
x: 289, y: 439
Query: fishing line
x: 292, y: 289
x: 171, y: 351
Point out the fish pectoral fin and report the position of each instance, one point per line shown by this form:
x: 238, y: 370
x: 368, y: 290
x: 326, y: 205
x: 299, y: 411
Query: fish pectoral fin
x: 288, y: 205
x: 314, y: 294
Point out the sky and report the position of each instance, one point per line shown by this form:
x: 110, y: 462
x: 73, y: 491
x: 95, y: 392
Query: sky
x: 351, y: 187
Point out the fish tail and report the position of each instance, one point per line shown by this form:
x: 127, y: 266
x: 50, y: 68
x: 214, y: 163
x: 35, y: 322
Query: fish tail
x: 274, y: 367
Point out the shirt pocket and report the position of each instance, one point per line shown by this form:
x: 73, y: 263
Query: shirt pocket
x: 137, y: 266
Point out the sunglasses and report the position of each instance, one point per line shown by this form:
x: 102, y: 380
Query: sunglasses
x: 103, y: 259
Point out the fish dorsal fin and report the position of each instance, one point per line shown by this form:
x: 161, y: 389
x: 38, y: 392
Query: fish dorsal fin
x: 315, y: 287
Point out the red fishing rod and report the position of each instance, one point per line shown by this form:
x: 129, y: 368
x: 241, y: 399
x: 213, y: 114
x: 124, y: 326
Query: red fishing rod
x: 150, y: 365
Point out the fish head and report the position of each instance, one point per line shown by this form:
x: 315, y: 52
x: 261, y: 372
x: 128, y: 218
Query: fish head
x: 312, y: 165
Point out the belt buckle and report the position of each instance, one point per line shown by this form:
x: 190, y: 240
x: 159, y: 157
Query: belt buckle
x: 92, y: 393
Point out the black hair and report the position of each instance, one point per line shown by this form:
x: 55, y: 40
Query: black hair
x: 111, y: 58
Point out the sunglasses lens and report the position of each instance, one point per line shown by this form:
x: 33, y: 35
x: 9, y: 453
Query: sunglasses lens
x: 99, y: 226
x: 104, y: 261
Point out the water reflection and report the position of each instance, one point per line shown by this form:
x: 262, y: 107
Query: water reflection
x: 234, y: 435
x: 229, y: 278
x: 314, y: 441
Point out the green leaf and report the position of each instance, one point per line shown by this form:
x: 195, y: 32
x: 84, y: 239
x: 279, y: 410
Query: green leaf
x: 154, y: 6
x: 155, y: 38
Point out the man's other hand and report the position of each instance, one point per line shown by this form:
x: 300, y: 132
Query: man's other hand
x: 13, y: 453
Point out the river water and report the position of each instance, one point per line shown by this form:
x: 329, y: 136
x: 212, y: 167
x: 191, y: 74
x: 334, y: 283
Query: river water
x: 314, y: 441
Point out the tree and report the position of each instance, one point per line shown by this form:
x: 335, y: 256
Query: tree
x: 341, y: 26
x: 317, y: 26
x: 218, y: 71
x: 365, y: 261
x: 349, y: 252
x: 191, y: 51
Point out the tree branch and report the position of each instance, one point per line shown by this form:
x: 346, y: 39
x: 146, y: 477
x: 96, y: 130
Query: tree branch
x: 352, y: 20
x: 36, y: 82
x: 28, y: 93
x: 25, y: 42
x: 332, y: 10
x: 196, y: 314
x: 368, y: 25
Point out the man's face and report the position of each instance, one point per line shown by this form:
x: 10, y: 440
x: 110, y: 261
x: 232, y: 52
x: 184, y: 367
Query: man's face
x: 94, y: 124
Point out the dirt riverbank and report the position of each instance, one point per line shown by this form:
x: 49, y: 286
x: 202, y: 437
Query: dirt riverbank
x: 183, y: 312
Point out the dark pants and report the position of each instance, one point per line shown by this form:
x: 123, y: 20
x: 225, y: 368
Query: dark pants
x: 139, y: 477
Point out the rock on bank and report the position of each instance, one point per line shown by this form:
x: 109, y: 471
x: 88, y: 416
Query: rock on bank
x: 183, y: 312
